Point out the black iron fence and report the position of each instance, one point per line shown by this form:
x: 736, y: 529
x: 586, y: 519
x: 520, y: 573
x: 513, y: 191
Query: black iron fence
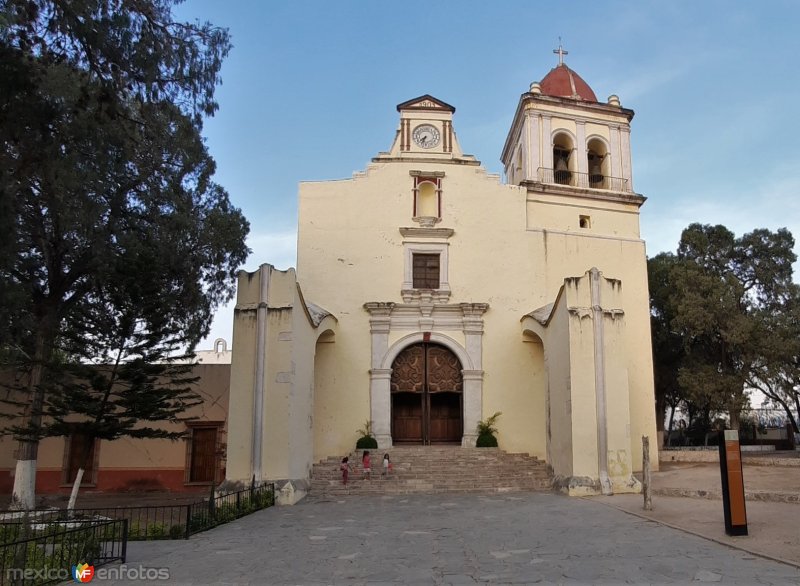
x: 227, y: 507
x: 47, y: 552
x: 162, y: 521
x: 41, y: 547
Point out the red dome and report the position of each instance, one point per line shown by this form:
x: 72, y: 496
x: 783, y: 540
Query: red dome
x: 562, y: 82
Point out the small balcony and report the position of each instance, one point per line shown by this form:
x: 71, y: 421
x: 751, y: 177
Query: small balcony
x: 582, y: 180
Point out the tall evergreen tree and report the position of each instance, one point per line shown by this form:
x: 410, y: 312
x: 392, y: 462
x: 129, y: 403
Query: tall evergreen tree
x: 107, y: 181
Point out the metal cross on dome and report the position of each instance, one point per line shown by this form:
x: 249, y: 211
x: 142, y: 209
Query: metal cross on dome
x: 560, y: 52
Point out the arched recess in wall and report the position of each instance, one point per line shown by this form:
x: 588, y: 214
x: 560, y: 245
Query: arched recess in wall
x: 564, y: 163
x: 324, y: 398
x: 534, y: 405
x: 599, y: 162
x: 427, y: 198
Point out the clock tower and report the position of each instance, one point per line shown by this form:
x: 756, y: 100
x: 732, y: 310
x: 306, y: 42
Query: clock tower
x: 425, y: 133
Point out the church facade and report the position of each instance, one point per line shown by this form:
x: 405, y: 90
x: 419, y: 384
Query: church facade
x: 429, y: 295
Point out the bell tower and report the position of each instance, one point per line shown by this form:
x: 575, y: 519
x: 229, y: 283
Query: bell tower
x: 563, y: 139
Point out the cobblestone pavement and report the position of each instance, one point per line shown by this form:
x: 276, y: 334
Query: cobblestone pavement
x: 452, y: 539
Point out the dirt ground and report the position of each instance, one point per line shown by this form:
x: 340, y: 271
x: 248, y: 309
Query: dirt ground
x: 90, y: 500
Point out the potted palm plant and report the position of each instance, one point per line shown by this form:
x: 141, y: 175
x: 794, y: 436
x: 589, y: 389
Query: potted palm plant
x: 487, y: 428
x: 366, y: 440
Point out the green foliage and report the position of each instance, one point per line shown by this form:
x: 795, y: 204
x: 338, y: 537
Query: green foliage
x: 156, y: 531
x: 229, y: 509
x: 487, y: 428
x: 366, y: 441
x: 199, y: 522
x: 118, y: 245
x: 263, y: 499
x: 83, y: 545
x: 486, y: 440
x: 717, y: 307
x: 365, y: 431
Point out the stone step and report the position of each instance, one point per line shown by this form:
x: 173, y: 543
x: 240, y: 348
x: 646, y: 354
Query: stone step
x: 435, y: 469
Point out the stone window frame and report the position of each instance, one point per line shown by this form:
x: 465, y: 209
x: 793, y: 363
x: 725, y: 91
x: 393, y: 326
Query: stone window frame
x: 408, y: 292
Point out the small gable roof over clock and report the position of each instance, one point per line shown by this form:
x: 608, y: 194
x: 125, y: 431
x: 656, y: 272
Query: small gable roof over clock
x: 426, y: 102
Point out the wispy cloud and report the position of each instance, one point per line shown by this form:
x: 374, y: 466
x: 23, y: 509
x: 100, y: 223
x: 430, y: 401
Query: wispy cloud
x: 653, y: 78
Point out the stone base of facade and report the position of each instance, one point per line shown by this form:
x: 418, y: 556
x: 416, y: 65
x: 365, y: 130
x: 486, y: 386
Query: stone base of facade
x: 290, y: 492
x: 590, y: 486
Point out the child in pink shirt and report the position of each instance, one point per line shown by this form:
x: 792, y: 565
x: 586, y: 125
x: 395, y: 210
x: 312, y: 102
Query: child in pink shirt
x: 365, y: 464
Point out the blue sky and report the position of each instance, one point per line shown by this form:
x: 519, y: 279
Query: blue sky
x: 310, y: 88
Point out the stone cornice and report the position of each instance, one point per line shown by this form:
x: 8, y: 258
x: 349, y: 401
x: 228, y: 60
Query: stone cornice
x: 379, y: 308
x: 474, y: 310
x: 417, y: 173
x: 415, y: 232
x: 443, y: 160
x: 465, y: 317
x: 586, y: 193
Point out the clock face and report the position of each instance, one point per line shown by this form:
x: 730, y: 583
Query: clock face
x: 426, y: 136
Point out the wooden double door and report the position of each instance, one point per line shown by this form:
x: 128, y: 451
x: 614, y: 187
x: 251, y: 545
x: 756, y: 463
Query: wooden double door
x: 427, y: 393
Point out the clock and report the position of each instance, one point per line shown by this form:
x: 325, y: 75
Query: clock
x: 426, y: 136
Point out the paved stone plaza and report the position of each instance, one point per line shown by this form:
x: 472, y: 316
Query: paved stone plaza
x: 452, y: 539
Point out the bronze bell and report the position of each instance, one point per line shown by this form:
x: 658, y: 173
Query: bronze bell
x: 595, y: 175
x: 562, y: 174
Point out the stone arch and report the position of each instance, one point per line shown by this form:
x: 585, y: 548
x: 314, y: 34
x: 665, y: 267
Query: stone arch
x: 426, y: 395
x: 564, y: 161
x: 598, y: 155
x: 447, y: 341
x: 381, y: 395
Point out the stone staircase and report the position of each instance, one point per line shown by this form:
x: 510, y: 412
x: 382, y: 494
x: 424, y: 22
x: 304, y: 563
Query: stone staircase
x: 434, y: 469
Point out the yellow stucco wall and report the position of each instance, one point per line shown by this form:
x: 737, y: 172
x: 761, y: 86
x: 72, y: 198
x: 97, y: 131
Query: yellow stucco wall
x: 508, y: 248
x: 507, y: 251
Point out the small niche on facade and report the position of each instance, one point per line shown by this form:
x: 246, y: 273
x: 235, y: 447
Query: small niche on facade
x: 427, y: 201
x: 585, y: 222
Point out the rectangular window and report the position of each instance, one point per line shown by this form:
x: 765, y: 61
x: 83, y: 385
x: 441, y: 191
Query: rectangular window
x: 426, y: 271
x: 203, y: 455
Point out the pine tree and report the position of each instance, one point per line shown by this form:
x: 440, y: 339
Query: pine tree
x: 104, y: 180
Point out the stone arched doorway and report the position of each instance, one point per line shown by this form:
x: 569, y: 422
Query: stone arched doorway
x: 427, y: 396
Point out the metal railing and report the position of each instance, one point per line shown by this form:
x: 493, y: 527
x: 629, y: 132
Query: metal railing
x: 230, y: 506
x: 44, y: 553
x: 148, y: 523
x: 585, y: 180
x: 144, y: 523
